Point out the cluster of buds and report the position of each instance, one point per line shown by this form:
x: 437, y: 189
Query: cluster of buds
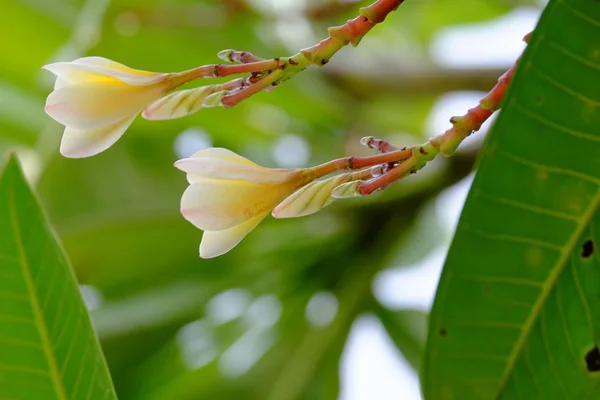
x: 96, y: 99
x: 229, y: 195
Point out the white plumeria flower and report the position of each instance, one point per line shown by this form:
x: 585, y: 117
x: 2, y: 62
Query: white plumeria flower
x: 229, y: 196
x: 97, y: 99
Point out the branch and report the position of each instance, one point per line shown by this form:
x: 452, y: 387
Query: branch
x: 393, y: 164
x: 284, y: 68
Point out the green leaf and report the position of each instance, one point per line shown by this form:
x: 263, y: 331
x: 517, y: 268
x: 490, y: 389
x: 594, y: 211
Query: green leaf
x: 48, y: 349
x: 517, y: 313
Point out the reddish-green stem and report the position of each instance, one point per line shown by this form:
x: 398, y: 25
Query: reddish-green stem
x: 353, y: 163
x: 465, y: 125
x: 383, y: 146
x: 235, y: 97
x: 413, y: 159
x: 387, y: 179
x: 351, y: 32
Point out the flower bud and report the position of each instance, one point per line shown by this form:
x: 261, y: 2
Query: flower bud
x: 214, y: 100
x: 347, y: 190
x: 178, y: 104
x: 226, y: 55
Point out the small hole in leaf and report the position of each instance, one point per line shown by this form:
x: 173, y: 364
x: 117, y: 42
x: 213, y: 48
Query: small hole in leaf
x: 592, y: 359
x: 587, y: 249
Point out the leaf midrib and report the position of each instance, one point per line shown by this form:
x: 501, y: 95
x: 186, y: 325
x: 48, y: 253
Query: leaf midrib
x: 547, y: 287
x: 39, y: 320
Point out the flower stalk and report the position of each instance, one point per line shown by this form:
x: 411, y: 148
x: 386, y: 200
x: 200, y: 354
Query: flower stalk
x: 394, y: 164
x: 277, y: 70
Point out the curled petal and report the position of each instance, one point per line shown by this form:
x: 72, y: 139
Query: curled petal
x: 221, y: 154
x: 105, y: 62
x: 177, y: 104
x: 214, y: 205
x: 216, y: 243
x: 78, y: 144
x: 219, y: 163
x: 202, y: 168
x: 98, y: 69
x: 93, y: 105
x: 310, y: 198
x: 68, y: 74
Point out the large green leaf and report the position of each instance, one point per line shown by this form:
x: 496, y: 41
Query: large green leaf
x: 518, y: 306
x: 48, y: 349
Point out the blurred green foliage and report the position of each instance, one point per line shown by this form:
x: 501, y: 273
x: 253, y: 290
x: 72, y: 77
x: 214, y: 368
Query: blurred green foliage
x: 117, y: 213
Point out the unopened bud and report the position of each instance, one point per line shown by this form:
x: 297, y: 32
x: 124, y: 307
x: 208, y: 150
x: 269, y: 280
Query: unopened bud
x: 214, y: 100
x: 366, y: 141
x: 347, y: 190
x: 226, y: 55
x: 178, y: 104
x: 378, y: 170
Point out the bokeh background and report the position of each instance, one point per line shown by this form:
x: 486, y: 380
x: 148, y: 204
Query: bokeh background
x: 331, y: 306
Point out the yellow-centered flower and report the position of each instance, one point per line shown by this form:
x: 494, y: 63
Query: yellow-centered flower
x: 96, y: 99
x: 229, y: 196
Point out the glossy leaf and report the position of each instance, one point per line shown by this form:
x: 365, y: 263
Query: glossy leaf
x: 517, y: 313
x: 48, y: 349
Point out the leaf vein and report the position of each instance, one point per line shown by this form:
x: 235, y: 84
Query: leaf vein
x: 561, y: 128
x: 550, y: 168
x: 38, y: 318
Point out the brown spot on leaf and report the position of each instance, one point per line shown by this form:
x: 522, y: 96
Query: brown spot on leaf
x: 542, y: 175
x: 587, y: 249
x: 443, y: 332
x: 592, y: 360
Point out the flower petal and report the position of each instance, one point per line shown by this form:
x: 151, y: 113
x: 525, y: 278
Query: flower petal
x: 68, y: 74
x: 105, y: 62
x: 214, y: 205
x: 98, y: 69
x: 216, y: 243
x: 93, y: 105
x: 78, y: 144
x: 204, y: 167
x: 221, y: 154
x: 177, y: 104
